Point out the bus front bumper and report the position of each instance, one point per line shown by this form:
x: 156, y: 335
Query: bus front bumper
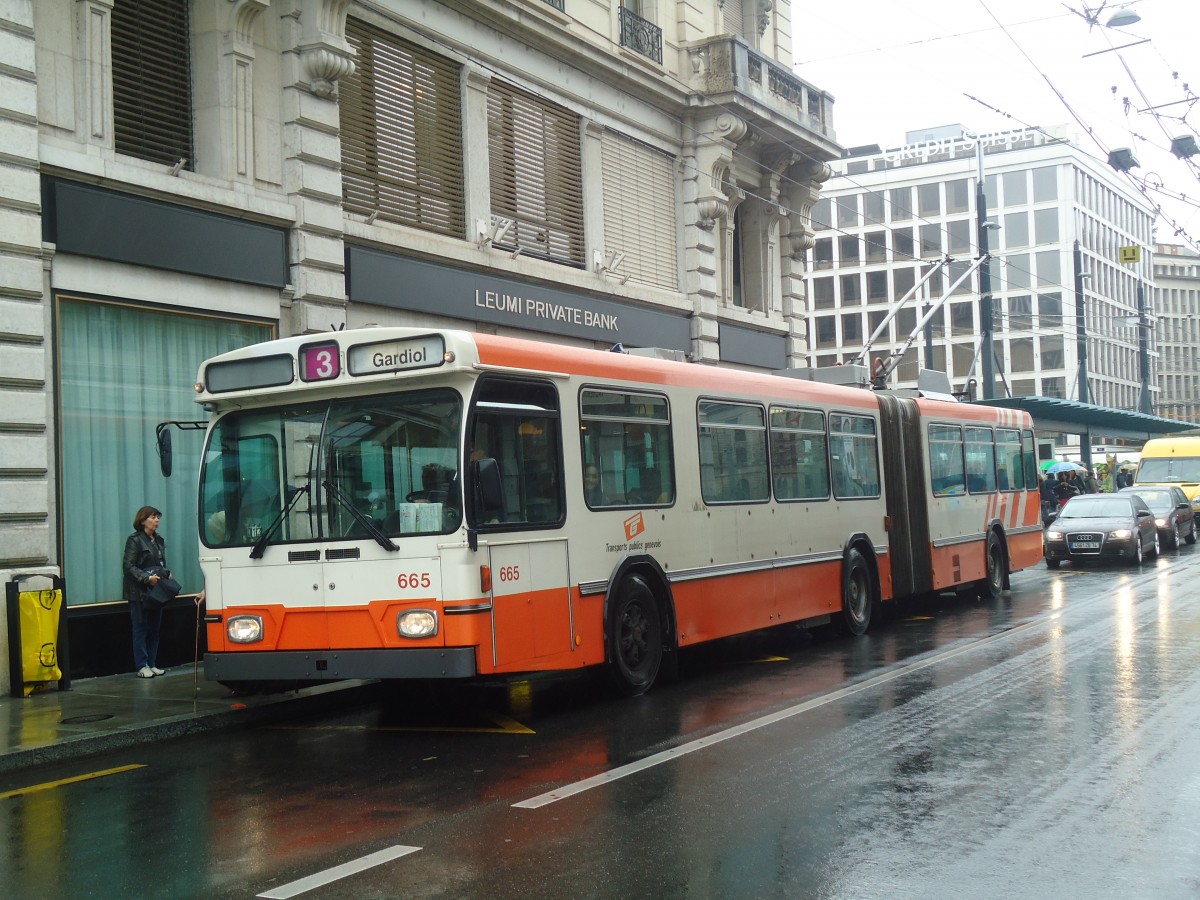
x: 334, y: 665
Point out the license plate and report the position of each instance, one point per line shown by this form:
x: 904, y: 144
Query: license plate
x: 1086, y: 545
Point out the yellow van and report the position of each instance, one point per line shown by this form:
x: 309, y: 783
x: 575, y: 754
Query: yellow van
x: 1172, y: 460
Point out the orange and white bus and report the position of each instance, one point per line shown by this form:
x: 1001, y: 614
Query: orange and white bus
x: 396, y: 503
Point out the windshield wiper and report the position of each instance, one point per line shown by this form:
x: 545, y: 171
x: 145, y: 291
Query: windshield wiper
x: 260, y: 545
x: 372, y: 529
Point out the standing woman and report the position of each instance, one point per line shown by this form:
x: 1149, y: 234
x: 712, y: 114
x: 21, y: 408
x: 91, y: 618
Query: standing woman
x: 144, y: 549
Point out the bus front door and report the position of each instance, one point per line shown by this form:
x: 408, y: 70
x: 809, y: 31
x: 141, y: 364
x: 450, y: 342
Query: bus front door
x: 532, y: 616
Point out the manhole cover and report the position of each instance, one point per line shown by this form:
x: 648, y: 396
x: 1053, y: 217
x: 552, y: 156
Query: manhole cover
x: 85, y: 720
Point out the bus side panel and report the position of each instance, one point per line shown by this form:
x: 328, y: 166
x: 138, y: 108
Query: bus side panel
x: 804, y: 592
x: 1024, y: 550
x: 958, y: 564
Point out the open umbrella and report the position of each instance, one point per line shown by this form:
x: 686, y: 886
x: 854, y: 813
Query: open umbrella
x: 1064, y: 467
x: 1045, y: 464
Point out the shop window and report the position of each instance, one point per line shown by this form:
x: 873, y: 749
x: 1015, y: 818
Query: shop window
x: 108, y: 465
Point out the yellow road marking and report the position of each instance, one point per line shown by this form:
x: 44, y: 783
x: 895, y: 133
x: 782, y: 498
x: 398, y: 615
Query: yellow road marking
x: 50, y: 785
x: 771, y: 659
x: 918, y: 619
x: 504, y: 725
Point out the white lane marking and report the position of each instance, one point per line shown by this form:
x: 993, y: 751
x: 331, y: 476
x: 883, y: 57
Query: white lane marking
x: 338, y: 872
x: 658, y: 759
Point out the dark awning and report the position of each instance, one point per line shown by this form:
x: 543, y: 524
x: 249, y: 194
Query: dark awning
x: 1073, y: 417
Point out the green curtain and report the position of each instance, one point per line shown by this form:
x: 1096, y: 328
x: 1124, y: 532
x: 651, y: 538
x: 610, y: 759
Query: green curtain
x: 122, y: 371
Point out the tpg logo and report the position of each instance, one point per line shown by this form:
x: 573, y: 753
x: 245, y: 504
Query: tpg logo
x: 634, y: 526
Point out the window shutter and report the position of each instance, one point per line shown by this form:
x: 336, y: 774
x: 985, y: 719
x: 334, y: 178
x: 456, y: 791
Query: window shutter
x: 152, y: 82
x: 733, y: 20
x: 536, y: 177
x: 401, y: 133
x: 639, y: 210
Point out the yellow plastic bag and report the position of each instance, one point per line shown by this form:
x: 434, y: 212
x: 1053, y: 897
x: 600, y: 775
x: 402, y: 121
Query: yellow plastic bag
x: 39, y: 637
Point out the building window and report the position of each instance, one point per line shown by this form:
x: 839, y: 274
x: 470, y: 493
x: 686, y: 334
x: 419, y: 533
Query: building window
x: 851, y: 289
x: 902, y: 245
x: 847, y: 211
x: 639, y: 210
x: 1016, y: 230
x: 929, y: 199
x: 103, y: 407
x: 1045, y: 225
x: 1045, y: 184
x: 822, y: 219
x: 931, y: 241
x: 962, y: 320
x: 823, y: 253
x: 1055, y: 388
x: 536, y: 178
x: 826, y: 331
x: 848, y: 250
x: 873, y: 207
x: 876, y: 247
x: 152, y: 83
x: 851, y: 330
x: 1049, y: 311
x: 901, y: 203
x: 960, y: 236
x: 1052, y: 352
x: 903, y: 281
x: 958, y: 195
x: 1020, y: 354
x: 1020, y: 312
x: 877, y: 286
x: 1015, y: 190
x: 823, y: 293
x: 1048, y: 269
x: 401, y: 134
x: 640, y: 34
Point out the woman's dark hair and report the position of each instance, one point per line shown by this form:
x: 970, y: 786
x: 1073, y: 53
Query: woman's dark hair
x: 142, y: 515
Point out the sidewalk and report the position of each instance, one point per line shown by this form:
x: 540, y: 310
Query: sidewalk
x: 101, y: 714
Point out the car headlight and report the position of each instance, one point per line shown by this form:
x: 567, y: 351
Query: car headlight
x: 1161, y: 523
x: 244, y: 629
x: 1054, y: 535
x: 1121, y: 534
x: 417, y: 623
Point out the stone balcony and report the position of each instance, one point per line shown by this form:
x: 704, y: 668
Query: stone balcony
x: 772, y: 100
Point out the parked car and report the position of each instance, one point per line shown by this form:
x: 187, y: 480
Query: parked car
x: 1173, y: 513
x: 1101, y: 526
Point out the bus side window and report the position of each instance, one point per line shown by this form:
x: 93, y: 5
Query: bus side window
x: 626, y: 448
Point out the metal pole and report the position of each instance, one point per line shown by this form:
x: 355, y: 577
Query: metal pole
x: 1143, y: 351
x: 985, y: 283
x: 1080, y: 325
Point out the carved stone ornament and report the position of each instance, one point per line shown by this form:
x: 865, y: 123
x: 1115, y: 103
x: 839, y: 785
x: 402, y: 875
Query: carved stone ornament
x: 764, y: 15
x: 708, y: 210
x: 326, y: 66
x: 244, y: 14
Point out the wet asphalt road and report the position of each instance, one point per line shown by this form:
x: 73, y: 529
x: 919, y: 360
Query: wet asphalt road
x: 1042, y: 745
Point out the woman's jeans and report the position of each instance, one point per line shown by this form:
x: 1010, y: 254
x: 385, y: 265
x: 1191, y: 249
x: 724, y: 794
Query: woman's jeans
x: 147, y: 621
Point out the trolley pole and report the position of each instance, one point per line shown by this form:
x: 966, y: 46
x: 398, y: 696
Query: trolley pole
x: 1144, y: 404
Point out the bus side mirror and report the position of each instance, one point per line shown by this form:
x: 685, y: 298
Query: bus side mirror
x: 164, y: 449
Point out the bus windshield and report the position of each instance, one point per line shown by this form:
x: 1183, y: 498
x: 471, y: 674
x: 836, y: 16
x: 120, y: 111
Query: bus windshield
x: 385, y: 463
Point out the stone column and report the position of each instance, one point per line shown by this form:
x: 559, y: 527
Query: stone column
x: 26, y: 523
x: 318, y: 57
x: 93, y: 72
x: 801, y: 189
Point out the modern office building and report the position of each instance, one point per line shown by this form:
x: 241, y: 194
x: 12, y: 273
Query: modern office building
x: 886, y: 216
x: 181, y: 177
x: 1176, y: 319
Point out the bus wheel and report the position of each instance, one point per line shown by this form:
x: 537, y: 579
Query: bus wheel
x: 856, y: 593
x: 991, y: 587
x: 634, y: 638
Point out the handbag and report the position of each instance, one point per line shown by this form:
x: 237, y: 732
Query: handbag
x: 165, y: 590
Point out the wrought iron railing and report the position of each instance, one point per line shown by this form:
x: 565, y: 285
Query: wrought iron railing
x: 641, y: 36
x: 557, y: 4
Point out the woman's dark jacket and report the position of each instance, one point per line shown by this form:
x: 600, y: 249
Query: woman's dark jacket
x: 141, y: 552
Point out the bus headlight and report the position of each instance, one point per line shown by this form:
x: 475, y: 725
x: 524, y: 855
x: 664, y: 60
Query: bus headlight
x: 417, y: 623
x: 245, y: 629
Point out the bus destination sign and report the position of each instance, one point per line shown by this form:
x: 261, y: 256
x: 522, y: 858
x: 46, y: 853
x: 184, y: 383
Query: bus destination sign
x: 395, y: 356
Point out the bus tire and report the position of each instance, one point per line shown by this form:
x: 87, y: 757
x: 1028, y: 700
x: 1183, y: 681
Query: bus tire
x: 635, y: 640
x: 992, y: 584
x: 857, y: 595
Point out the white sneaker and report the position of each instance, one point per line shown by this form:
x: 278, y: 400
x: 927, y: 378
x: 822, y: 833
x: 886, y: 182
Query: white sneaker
x: 157, y: 671
x: 145, y: 672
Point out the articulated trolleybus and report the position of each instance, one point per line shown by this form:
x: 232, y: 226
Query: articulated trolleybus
x: 395, y: 503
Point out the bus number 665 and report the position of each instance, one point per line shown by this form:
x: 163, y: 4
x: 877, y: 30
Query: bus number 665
x: 510, y: 573
x: 414, y: 580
